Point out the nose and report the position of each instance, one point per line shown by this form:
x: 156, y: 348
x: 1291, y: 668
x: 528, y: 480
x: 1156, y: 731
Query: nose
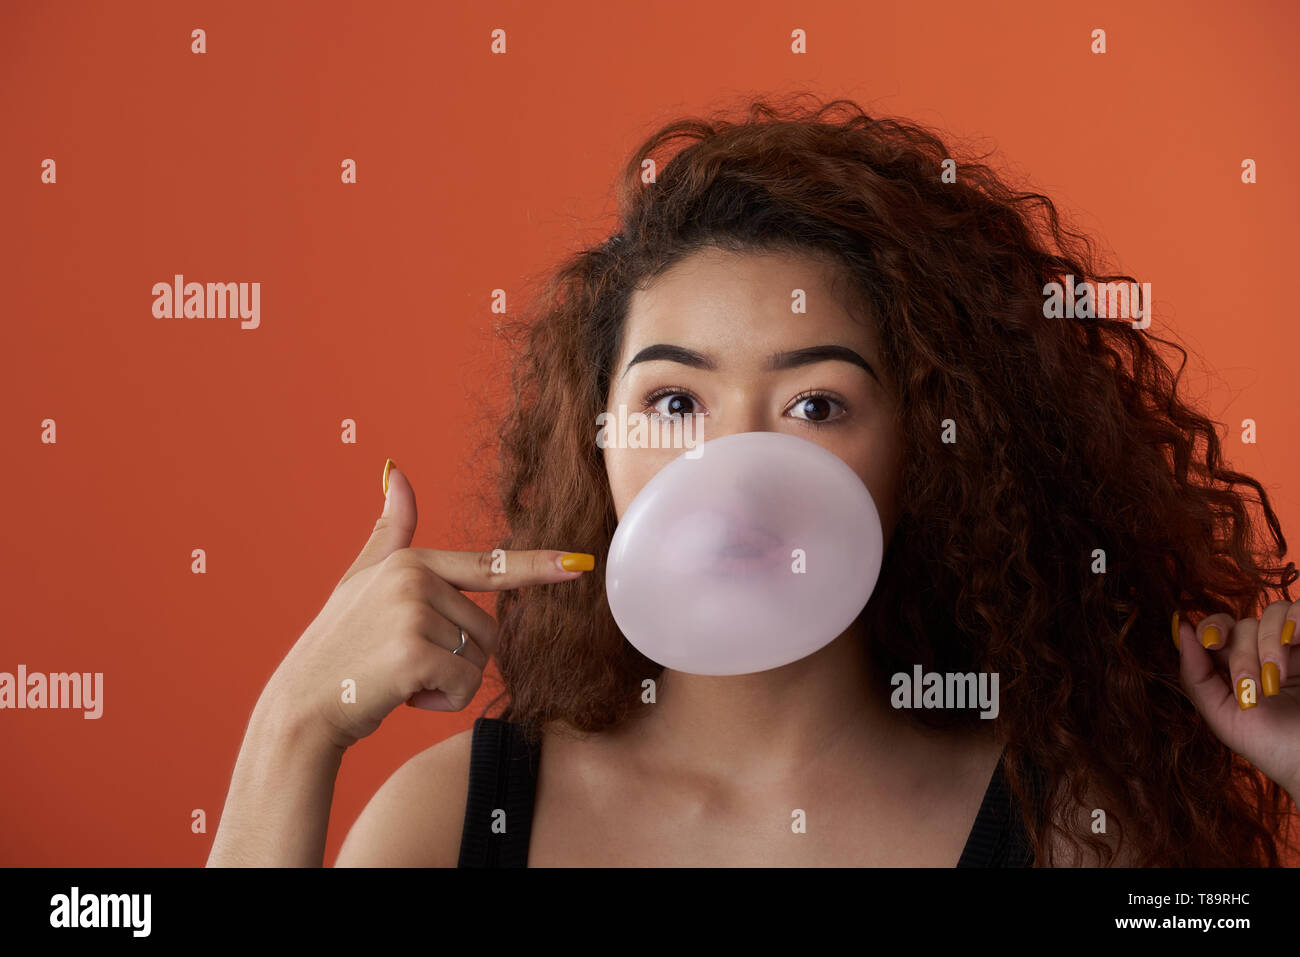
x: 740, y: 413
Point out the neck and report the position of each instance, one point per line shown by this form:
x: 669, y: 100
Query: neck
x: 750, y: 730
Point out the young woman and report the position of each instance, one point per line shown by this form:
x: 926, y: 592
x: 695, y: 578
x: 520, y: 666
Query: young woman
x: 1053, y: 512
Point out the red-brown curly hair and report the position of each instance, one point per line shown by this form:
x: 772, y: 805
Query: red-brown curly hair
x: 1073, y: 438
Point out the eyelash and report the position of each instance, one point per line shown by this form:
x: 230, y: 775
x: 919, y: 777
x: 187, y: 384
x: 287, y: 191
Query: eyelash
x: 658, y: 394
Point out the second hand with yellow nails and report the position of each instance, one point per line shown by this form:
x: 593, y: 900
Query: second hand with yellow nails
x: 1224, y: 665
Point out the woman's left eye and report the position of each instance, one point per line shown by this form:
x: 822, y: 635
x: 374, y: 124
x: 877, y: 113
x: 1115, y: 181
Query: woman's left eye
x: 817, y: 408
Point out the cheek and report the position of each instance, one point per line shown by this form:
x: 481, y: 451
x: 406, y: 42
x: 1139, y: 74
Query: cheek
x: 630, y: 469
x: 879, y: 466
x: 623, y: 480
x: 882, y: 481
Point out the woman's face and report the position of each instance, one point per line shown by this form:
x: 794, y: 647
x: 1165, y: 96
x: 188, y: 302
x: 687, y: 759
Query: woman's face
x: 728, y: 316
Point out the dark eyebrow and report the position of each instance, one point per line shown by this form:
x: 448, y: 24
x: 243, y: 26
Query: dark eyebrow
x: 805, y: 357
x: 665, y: 352
x: 780, y: 361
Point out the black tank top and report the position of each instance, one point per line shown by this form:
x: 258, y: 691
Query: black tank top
x: 503, y: 776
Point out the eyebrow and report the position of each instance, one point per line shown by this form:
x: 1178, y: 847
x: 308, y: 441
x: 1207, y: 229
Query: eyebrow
x: 782, y: 360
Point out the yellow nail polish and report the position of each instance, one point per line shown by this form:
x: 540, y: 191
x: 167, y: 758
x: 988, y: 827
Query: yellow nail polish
x: 388, y: 464
x: 577, y: 562
x: 1271, y: 678
x: 1288, y: 631
x: 1210, y: 636
x: 1246, y: 693
x: 1176, y: 643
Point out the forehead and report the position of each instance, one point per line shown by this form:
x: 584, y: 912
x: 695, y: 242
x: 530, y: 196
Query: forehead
x: 747, y: 300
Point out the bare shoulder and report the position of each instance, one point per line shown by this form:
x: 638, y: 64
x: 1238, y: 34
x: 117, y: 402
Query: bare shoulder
x: 1099, y: 815
x: 416, y: 816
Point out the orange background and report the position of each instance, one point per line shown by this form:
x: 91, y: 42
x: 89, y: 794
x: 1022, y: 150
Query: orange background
x: 474, y: 172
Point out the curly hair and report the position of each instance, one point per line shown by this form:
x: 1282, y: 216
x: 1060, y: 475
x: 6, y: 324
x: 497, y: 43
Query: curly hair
x: 1073, y: 444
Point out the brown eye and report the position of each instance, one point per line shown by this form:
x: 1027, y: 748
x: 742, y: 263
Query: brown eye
x: 671, y: 403
x: 817, y: 408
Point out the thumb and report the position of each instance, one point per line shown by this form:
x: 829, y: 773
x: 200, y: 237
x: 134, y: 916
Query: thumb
x: 1202, y: 681
x: 396, y: 525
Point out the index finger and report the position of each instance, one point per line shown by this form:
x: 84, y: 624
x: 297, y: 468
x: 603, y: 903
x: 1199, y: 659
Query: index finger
x: 501, y: 569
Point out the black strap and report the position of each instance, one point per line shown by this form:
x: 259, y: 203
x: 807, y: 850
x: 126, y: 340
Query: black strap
x: 502, y: 787
x: 998, y: 837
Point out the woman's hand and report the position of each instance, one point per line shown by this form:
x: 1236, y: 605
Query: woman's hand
x: 389, y: 631
x: 1256, y: 711
x: 386, y: 635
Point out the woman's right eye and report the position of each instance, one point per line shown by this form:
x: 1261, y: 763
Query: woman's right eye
x: 672, y: 403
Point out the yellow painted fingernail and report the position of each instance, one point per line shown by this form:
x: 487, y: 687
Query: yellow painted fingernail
x: 387, y: 465
x: 577, y: 562
x: 1288, y: 631
x: 1271, y: 678
x: 1176, y: 644
x: 1210, y: 636
x: 1246, y: 693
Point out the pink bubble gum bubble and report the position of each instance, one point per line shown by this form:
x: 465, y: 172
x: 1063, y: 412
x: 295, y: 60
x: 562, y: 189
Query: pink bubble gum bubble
x: 757, y: 553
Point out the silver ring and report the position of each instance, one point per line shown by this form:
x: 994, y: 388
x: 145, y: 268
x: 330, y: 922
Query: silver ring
x: 463, y: 640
